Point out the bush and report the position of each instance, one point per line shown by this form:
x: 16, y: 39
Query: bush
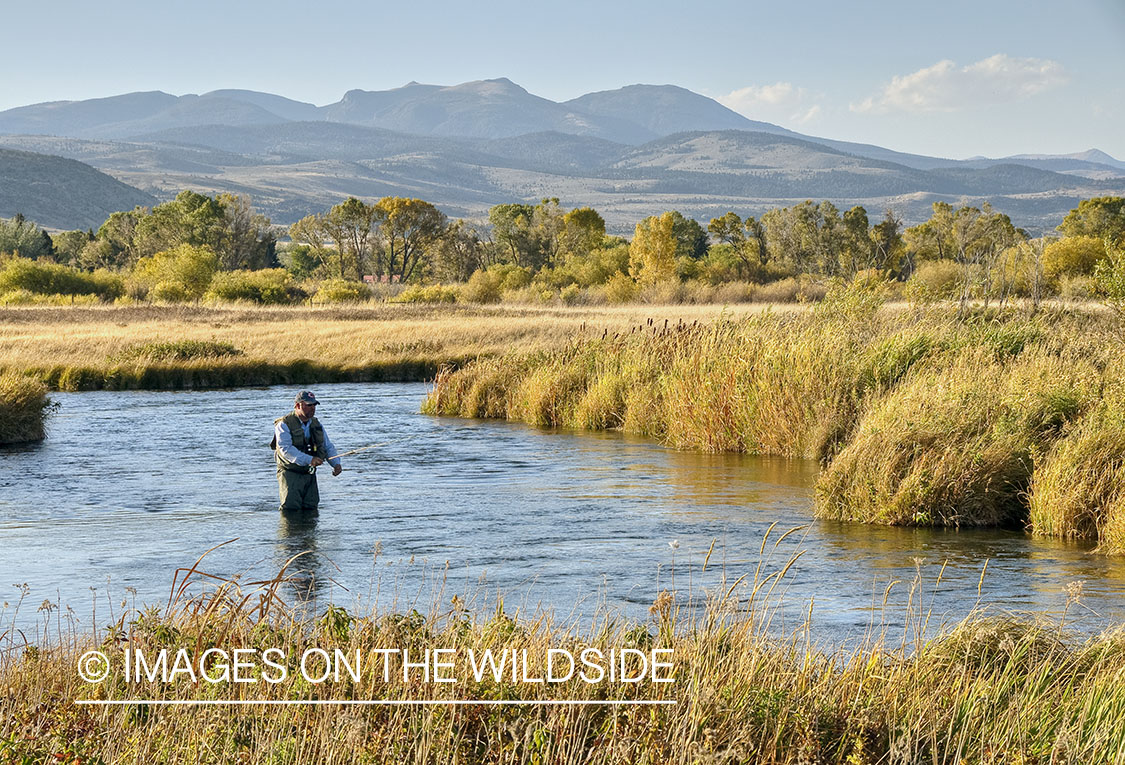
x: 24, y: 297
x: 482, y: 287
x: 571, y: 294
x: 341, y: 291
x: 1072, y: 256
x: 181, y: 350
x: 435, y: 293
x: 272, y: 286
x: 620, y: 289
x: 51, y: 279
x: 177, y: 275
x: 935, y: 280
x: 26, y: 408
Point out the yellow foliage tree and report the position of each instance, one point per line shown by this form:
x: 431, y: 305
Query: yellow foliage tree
x: 652, y: 253
x: 1072, y: 256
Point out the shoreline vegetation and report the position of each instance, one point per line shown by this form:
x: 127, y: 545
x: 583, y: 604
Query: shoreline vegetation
x: 919, y: 416
x: 26, y: 408
x: 990, y: 689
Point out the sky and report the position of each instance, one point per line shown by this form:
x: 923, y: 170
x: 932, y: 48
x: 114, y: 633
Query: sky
x: 954, y: 79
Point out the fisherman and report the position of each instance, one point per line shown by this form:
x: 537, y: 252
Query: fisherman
x: 300, y: 445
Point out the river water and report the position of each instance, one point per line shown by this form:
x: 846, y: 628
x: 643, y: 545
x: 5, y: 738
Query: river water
x: 130, y: 486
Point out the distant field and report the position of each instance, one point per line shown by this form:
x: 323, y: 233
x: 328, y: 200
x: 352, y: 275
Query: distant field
x: 95, y: 347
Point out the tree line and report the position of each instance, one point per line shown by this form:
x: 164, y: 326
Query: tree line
x: 174, y: 250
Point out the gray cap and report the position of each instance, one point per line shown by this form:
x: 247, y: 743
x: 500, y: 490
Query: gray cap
x: 306, y: 397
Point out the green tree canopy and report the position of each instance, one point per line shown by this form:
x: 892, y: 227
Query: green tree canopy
x: 1101, y: 217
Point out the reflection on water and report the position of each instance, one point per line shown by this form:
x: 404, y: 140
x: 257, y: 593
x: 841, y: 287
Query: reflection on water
x: 299, y: 557
x: 481, y: 510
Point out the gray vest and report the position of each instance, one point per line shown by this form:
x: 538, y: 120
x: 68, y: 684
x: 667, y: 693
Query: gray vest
x: 313, y: 445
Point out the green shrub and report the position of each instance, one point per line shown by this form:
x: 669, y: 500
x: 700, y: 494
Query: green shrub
x: 341, y: 291
x: 177, y: 275
x: 1072, y: 256
x: 51, y: 279
x: 272, y: 286
x: 181, y: 350
x: 434, y: 293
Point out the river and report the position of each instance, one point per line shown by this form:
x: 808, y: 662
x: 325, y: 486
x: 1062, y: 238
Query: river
x: 130, y: 486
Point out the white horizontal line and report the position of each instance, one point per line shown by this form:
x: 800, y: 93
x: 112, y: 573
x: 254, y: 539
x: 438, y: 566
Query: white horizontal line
x: 374, y: 702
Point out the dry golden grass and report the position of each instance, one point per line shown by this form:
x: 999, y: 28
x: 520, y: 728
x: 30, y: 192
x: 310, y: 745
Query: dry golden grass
x: 992, y: 689
x: 408, y: 341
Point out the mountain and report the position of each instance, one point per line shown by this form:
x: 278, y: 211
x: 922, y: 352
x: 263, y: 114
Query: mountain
x: 482, y: 109
x: 629, y: 152
x: 1093, y: 156
x: 287, y: 108
x: 61, y: 193
x: 666, y: 109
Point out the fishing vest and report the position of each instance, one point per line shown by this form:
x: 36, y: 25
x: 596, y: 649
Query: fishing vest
x: 313, y: 445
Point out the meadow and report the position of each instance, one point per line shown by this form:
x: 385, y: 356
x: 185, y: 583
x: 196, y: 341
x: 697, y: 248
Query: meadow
x: 185, y: 346
x: 991, y: 689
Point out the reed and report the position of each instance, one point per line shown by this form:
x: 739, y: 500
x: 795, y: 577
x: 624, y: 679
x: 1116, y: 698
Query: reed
x: 1078, y: 488
x: 992, y: 689
x: 919, y: 417
x: 26, y: 408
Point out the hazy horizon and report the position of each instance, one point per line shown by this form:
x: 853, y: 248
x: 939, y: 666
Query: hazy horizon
x: 957, y: 80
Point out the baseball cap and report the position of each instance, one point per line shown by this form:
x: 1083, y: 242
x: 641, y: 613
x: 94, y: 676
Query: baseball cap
x: 306, y: 397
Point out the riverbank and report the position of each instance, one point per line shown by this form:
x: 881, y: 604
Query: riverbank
x: 991, y: 689
x: 919, y: 417
x: 26, y: 407
x: 196, y: 346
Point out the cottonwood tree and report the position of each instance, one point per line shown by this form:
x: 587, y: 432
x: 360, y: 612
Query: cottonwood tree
x: 1101, y: 217
x: 652, y: 253
x: 408, y: 229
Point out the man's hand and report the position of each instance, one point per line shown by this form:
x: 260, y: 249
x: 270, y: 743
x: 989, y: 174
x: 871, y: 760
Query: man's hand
x: 337, y: 469
x: 316, y: 462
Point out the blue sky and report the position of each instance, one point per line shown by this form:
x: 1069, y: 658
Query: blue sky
x: 953, y: 79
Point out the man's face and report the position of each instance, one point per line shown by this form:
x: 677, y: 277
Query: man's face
x: 305, y: 411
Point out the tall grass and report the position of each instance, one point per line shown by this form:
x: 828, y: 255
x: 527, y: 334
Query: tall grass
x: 919, y: 417
x: 992, y: 689
x: 85, y: 348
x: 25, y: 408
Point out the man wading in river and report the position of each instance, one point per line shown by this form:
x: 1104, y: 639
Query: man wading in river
x: 300, y: 445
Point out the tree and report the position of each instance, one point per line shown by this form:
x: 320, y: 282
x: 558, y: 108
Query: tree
x: 69, y: 245
x: 245, y: 239
x: 1101, y: 217
x: 349, y: 224
x: 727, y: 229
x: 857, y: 250
x: 652, y: 253
x: 584, y: 231
x: 459, y: 253
x: 22, y: 237
x: 691, y: 238
x: 310, y: 231
x: 512, y: 230
x: 409, y: 229
x: 888, y: 245
x: 114, y: 246
x: 191, y: 218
